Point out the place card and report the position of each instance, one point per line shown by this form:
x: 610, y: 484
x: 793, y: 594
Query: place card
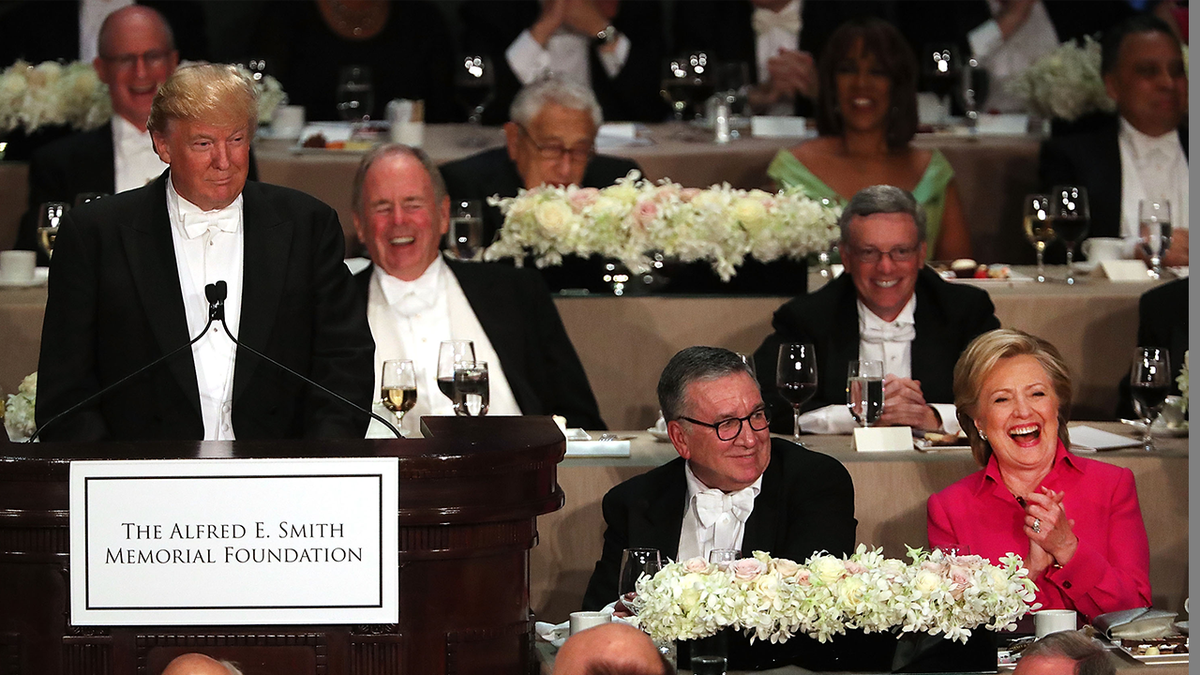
x: 597, y: 449
x: 766, y: 126
x: 883, y: 439
x: 1124, y: 270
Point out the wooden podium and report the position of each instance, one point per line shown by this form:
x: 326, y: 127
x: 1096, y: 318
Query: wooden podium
x: 470, y: 493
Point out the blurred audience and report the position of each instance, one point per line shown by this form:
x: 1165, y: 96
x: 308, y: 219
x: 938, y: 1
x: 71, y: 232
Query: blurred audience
x: 416, y: 299
x: 613, y: 48
x: 1140, y: 153
x: 1076, y: 522
x: 1065, y: 653
x: 199, y: 664
x: 867, y: 116
x: 886, y: 306
x: 616, y: 648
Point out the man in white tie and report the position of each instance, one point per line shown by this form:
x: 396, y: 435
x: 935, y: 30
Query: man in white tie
x: 130, y: 274
x: 733, y: 486
x: 416, y: 299
x: 886, y: 306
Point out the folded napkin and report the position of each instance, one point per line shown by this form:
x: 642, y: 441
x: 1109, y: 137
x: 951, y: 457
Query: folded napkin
x: 1090, y: 439
x: 1136, y: 624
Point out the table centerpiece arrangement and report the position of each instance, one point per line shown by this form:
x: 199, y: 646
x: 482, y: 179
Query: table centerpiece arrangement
x: 774, y: 599
x: 636, y: 219
x: 17, y: 412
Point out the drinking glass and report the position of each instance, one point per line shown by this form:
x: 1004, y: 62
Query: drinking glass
x: 973, y: 91
x: 708, y: 664
x: 465, y: 235
x: 355, y: 94
x: 450, y: 354
x: 474, y: 87
x: 864, y: 391
x: 471, y: 388
x: 733, y: 83
x: 1039, y: 229
x: 941, y: 66
x: 636, y: 562
x: 85, y: 197
x: 399, y: 388
x: 749, y: 361
x: 796, y: 377
x: 49, y: 216
x: 723, y: 557
x: 1149, y: 382
x: 1069, y: 216
x: 686, y: 85
x: 1154, y: 228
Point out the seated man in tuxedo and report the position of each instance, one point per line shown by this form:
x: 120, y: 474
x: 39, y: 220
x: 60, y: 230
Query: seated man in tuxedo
x: 733, y: 486
x: 136, y: 55
x: 1162, y: 322
x: 886, y: 306
x: 416, y: 299
x: 129, y: 286
x: 1142, y: 152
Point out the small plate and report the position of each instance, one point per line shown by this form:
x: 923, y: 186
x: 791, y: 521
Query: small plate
x: 40, y: 275
x: 658, y: 434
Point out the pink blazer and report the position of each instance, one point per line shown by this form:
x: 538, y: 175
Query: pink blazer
x: 1111, y: 568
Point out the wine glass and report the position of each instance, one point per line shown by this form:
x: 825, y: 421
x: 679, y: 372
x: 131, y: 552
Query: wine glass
x: 636, y: 562
x: 973, y: 92
x: 1154, y: 228
x: 686, y: 85
x: 465, y: 234
x: 864, y: 391
x: 474, y: 87
x: 941, y: 66
x: 399, y: 387
x: 1039, y: 229
x: 1069, y: 216
x: 749, y: 361
x: 796, y: 377
x: 471, y: 395
x: 450, y: 354
x: 724, y: 557
x: 1149, y: 382
x: 50, y: 214
x: 355, y: 94
x: 85, y: 197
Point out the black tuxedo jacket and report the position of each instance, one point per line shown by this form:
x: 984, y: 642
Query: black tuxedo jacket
x: 948, y: 317
x: 1162, y: 322
x: 1092, y: 159
x: 82, y: 162
x: 115, y: 305
x: 524, y: 327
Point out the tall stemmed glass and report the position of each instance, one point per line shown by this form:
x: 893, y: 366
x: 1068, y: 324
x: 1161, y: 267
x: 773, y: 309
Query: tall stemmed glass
x: 941, y: 66
x: 450, y: 354
x: 1149, y: 382
x: 796, y: 377
x: 1154, y: 227
x: 474, y: 87
x: 864, y: 391
x: 399, y: 388
x: 355, y: 94
x: 49, y: 216
x: 1039, y: 229
x: 636, y: 562
x: 1070, y: 217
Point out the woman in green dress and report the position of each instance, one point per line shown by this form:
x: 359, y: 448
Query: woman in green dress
x: 867, y: 116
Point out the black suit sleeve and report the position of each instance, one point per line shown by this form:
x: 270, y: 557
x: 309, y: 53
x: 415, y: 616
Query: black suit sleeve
x: 820, y: 508
x: 602, y: 587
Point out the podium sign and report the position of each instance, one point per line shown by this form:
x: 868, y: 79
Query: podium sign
x: 234, y: 542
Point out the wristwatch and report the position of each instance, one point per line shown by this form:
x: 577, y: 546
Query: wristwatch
x: 607, y: 36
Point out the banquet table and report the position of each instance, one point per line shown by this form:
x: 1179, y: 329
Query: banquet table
x: 623, y: 342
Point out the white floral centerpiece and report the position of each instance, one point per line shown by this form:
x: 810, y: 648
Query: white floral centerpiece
x: 774, y: 599
x: 18, y: 411
x: 1065, y: 83
x: 1182, y: 381
x: 634, y: 219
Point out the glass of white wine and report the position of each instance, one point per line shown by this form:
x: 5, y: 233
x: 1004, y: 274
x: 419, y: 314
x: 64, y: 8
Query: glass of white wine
x: 49, y: 216
x: 1039, y: 229
x: 398, y: 390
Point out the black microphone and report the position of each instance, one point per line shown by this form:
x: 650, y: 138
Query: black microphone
x: 216, y: 311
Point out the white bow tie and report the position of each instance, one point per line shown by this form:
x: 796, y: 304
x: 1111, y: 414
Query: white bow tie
x: 764, y: 20
x: 413, y: 303
x: 712, y: 504
x: 196, y: 224
x: 890, y: 332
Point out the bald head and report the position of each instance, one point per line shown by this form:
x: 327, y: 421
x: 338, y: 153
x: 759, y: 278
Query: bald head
x: 609, y: 648
x: 199, y: 664
x: 136, y: 54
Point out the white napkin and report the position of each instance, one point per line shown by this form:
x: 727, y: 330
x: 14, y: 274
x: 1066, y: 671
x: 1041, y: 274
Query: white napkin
x: 1090, y: 439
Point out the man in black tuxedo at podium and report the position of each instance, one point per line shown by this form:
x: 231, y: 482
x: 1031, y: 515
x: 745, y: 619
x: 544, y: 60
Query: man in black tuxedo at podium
x: 129, y: 281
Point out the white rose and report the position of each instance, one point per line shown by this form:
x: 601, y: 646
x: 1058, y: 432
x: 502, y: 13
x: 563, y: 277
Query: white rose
x: 827, y: 568
x: 850, y: 590
x: 553, y: 217
x: 751, y: 213
x: 785, y: 567
x: 927, y: 581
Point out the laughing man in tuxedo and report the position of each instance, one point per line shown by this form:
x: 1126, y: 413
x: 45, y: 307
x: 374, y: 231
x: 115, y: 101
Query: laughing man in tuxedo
x: 128, y: 285
x: 416, y: 299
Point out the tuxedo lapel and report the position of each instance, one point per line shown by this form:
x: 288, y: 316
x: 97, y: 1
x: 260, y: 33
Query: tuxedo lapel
x: 106, y: 171
x: 494, y: 307
x: 929, y: 346
x: 845, y: 339
x: 764, y: 519
x: 266, y: 245
x: 151, y: 258
x: 664, y: 513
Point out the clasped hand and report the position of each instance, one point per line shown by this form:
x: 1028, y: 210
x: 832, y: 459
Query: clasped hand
x: 904, y: 405
x: 1051, y: 537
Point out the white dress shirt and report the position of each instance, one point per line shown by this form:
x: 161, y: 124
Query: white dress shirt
x: 409, y: 320
x: 565, y: 56
x: 1005, y: 59
x: 725, y: 513
x: 1151, y: 168
x: 208, y: 248
x: 891, y: 343
x: 134, y: 161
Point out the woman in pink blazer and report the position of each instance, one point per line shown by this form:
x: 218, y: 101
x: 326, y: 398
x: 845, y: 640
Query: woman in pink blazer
x: 1075, y: 521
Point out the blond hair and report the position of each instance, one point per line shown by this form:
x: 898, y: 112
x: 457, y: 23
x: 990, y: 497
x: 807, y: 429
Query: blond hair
x: 209, y: 93
x: 977, y: 362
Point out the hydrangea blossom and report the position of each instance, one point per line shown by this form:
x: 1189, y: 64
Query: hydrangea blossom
x: 18, y: 411
x: 1065, y: 83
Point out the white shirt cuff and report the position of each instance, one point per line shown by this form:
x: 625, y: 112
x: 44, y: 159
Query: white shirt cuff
x: 949, y: 415
x: 832, y: 419
x: 615, y: 60
x: 527, y: 59
x: 985, y: 38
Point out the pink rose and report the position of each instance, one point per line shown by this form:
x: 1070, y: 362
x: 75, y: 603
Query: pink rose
x: 584, y: 197
x: 687, y: 194
x: 645, y: 212
x: 853, y: 567
x: 801, y: 576
x: 695, y: 565
x: 748, y: 568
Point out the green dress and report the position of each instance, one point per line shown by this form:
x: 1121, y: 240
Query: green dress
x: 930, y: 192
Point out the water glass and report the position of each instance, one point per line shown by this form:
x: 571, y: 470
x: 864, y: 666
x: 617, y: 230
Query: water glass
x: 355, y: 94
x: 724, y: 557
x: 465, y: 235
x: 471, y: 394
x: 864, y: 391
x: 1154, y: 228
x: 636, y: 563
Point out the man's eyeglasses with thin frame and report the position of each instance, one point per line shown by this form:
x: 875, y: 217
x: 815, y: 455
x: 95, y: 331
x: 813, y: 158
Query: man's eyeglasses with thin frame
x: 554, y: 153
x: 899, y: 254
x: 728, y: 429
x: 153, y: 58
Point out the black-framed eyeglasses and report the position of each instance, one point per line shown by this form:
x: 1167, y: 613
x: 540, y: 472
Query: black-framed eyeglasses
x: 554, y: 153
x: 728, y: 429
x: 153, y: 58
x: 897, y: 254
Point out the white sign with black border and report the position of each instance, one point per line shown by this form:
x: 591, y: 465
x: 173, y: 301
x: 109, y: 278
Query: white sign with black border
x: 234, y: 541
